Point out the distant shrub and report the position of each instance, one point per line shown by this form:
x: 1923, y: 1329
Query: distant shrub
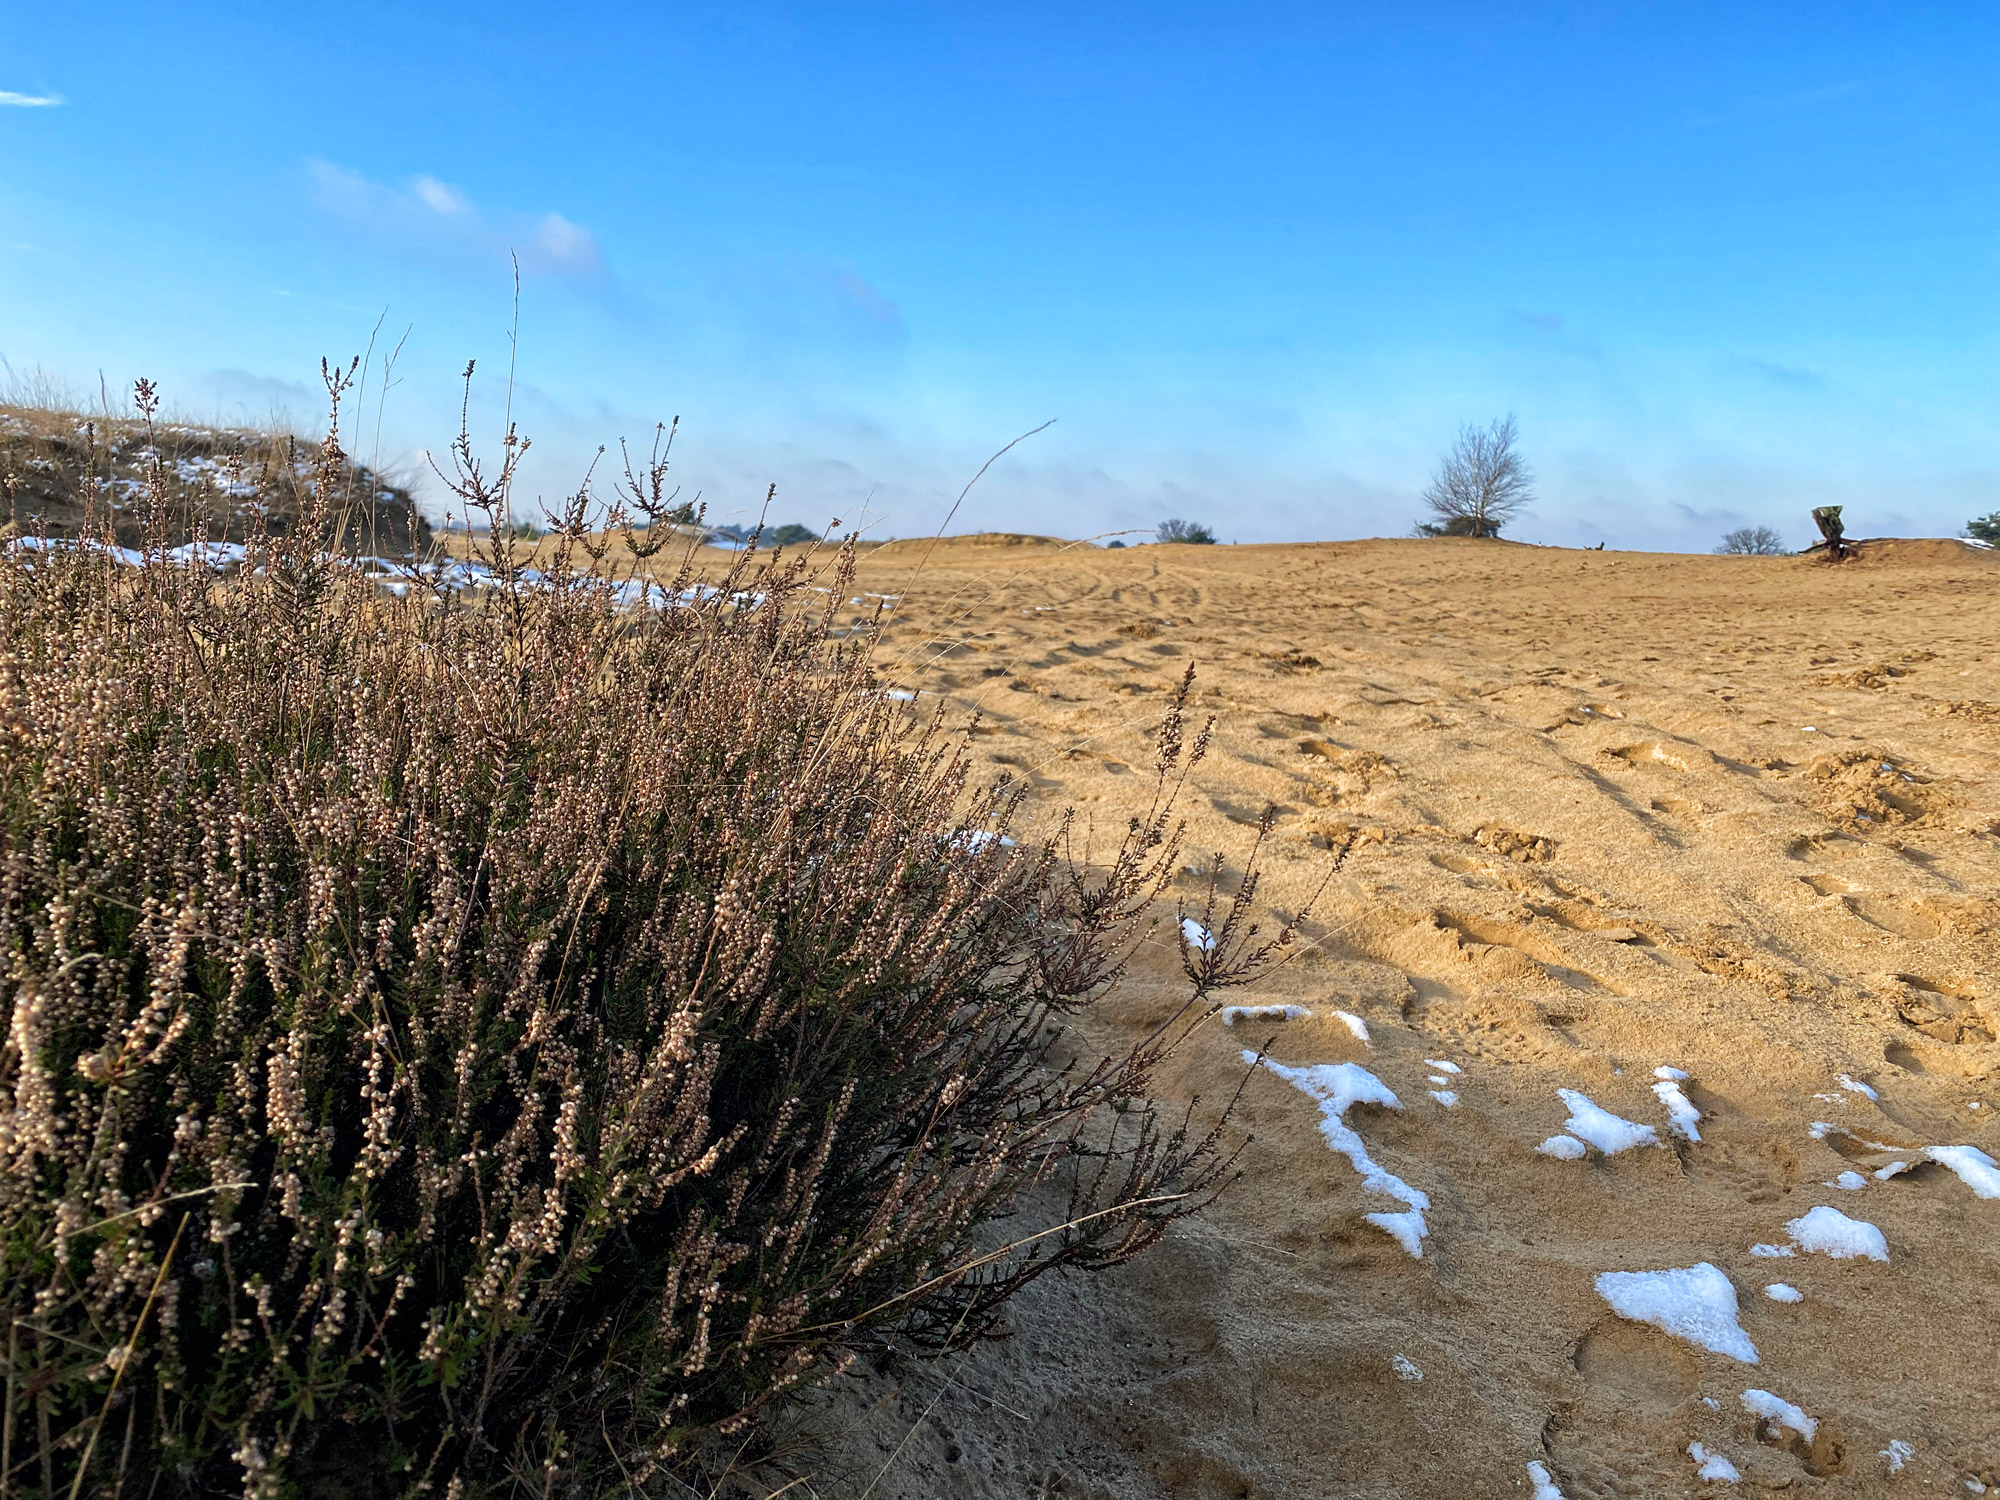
x: 473, y: 1043
x: 1190, y: 532
x: 1456, y: 526
x: 1752, y: 541
x: 1984, y: 528
x: 791, y: 534
x: 1115, y: 542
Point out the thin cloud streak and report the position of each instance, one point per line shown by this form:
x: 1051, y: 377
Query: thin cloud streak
x: 29, y: 101
x: 432, y: 217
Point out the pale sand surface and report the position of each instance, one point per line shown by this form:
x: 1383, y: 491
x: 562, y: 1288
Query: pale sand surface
x: 1595, y: 837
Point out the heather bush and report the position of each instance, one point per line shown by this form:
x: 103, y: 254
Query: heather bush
x: 468, y: 1041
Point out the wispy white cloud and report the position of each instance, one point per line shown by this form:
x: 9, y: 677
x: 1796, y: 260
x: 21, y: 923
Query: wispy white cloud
x: 29, y: 101
x: 440, y: 197
x: 433, y: 218
x: 1771, y: 372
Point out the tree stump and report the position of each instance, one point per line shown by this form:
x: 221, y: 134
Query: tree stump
x: 1827, y: 519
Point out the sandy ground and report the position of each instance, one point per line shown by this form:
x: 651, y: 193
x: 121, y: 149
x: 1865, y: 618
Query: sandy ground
x: 1614, y: 812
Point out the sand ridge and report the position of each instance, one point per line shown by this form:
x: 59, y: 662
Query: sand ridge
x: 1611, y: 812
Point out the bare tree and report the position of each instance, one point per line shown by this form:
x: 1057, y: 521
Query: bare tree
x: 1480, y: 483
x: 1752, y: 541
x: 1186, y: 531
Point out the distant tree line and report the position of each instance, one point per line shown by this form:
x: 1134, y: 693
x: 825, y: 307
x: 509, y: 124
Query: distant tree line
x: 1752, y: 541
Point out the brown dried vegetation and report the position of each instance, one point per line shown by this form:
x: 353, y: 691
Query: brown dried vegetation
x: 463, y: 1043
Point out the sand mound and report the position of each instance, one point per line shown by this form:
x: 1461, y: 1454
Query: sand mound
x: 210, y: 481
x: 973, y: 541
x: 1616, y: 814
x: 1909, y: 552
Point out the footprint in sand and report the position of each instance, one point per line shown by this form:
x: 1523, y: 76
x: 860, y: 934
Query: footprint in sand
x: 1893, y: 917
x: 1545, y: 957
x: 1760, y: 1173
x: 1944, y: 1010
x: 1919, y: 1054
x: 1637, y: 1387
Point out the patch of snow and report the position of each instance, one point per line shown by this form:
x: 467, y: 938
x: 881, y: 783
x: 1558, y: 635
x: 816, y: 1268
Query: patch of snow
x: 125, y: 556
x: 1974, y: 1167
x: 1895, y: 1168
x: 1354, y: 1024
x: 1779, y: 1291
x: 1405, y: 1368
x: 1407, y: 1228
x: 900, y: 695
x: 1714, y: 1467
x: 1338, y: 1087
x: 1197, y: 935
x: 1696, y: 1303
x: 1820, y: 1129
x: 1231, y: 1014
x: 1773, y: 1252
x: 1782, y: 1413
x: 1898, y: 1453
x: 1854, y: 1087
x: 978, y: 840
x: 1545, y: 1487
x: 214, y: 555
x: 1853, y: 1182
x: 1711, y: 1403
x: 1672, y: 1075
x: 1442, y: 1066
x: 1439, y: 1079
x: 1682, y: 1117
x: 1562, y: 1147
x: 1609, y: 1133
x: 1447, y: 1097
x: 1831, y: 1232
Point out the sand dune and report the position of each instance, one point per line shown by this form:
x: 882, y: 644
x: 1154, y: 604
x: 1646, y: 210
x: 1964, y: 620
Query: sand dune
x: 1613, y: 813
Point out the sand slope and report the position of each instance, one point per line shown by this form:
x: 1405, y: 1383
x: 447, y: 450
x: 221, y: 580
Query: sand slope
x: 1615, y: 811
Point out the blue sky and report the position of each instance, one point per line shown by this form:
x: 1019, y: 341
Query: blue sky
x: 1258, y: 260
